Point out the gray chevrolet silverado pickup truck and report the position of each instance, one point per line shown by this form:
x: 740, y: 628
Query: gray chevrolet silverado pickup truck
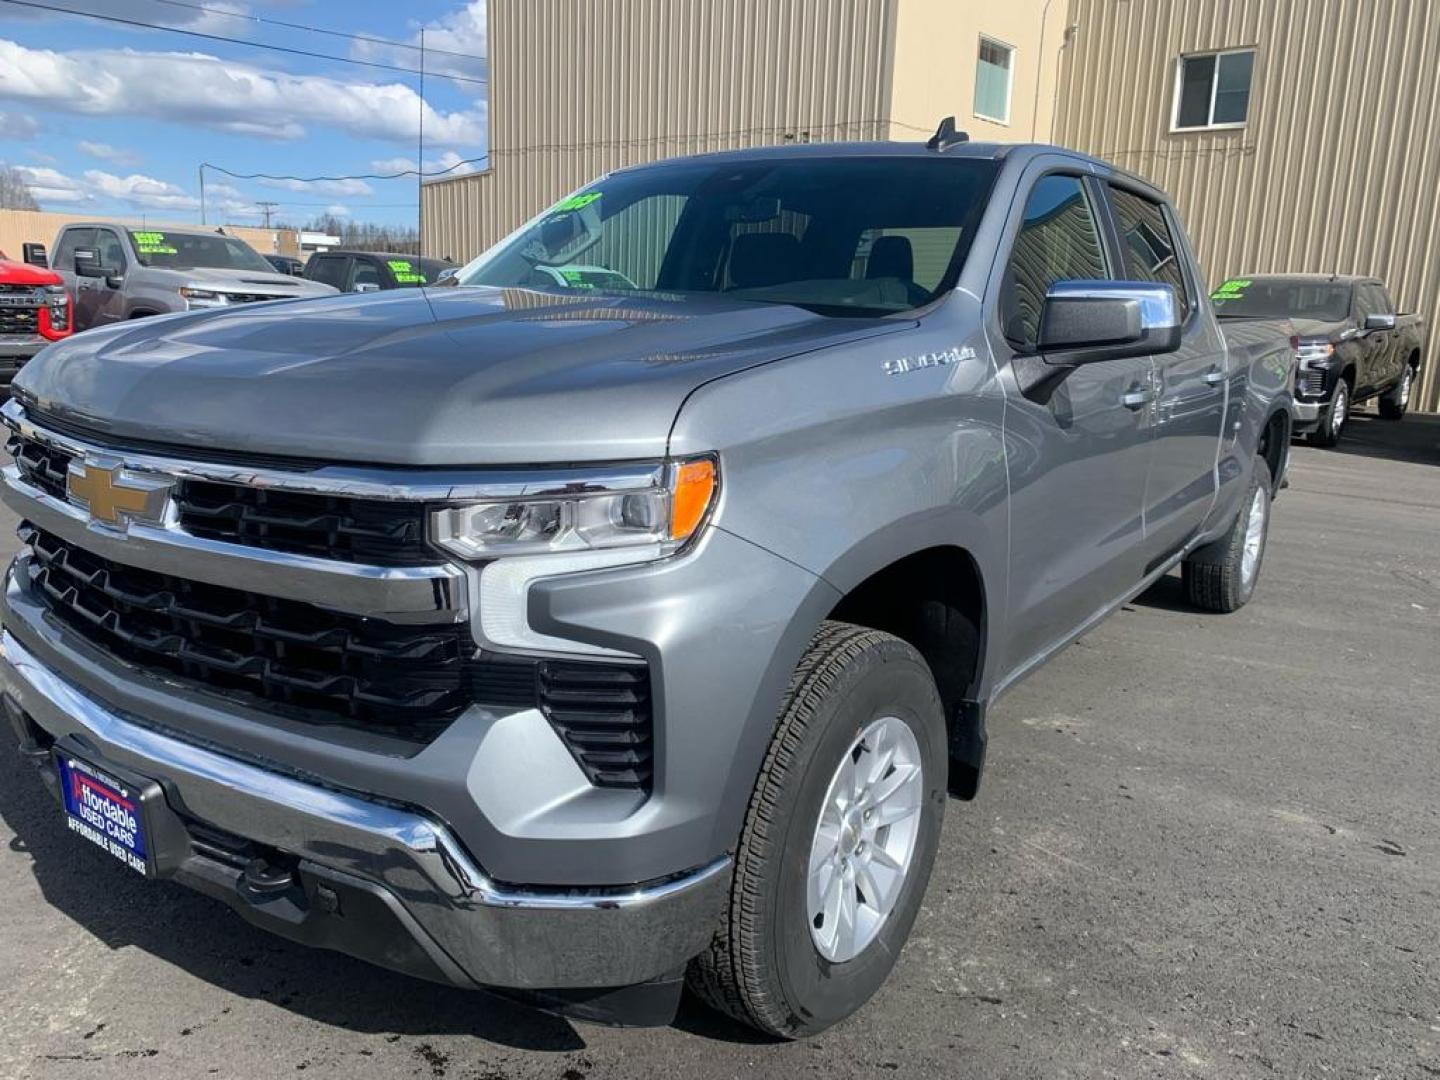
x: 572, y: 641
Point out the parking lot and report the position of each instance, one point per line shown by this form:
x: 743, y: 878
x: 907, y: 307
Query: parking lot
x: 1207, y: 846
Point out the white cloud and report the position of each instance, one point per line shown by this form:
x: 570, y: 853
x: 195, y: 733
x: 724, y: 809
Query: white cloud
x: 210, y: 17
x: 18, y: 126
x: 106, y: 152
x: 140, y: 191
x: 42, y: 157
x: 342, y: 188
x: 224, y: 95
x: 338, y: 210
x: 52, y: 186
x: 393, y: 165
x: 455, y: 44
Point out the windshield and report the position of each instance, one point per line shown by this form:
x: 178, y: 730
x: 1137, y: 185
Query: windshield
x: 1277, y: 298
x: 191, y: 251
x: 840, y: 236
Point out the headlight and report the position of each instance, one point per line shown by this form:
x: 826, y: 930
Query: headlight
x: 575, y: 524
x: 203, y: 298
x: 57, y: 303
x: 1313, y: 352
x: 662, y: 514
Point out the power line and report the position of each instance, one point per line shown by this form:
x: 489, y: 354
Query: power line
x: 232, y: 40
x: 317, y: 30
x: 357, y: 176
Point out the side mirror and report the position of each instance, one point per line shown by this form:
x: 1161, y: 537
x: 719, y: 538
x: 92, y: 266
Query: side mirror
x: 1378, y: 321
x: 34, y: 254
x: 1086, y: 322
x: 448, y: 277
x: 87, y: 263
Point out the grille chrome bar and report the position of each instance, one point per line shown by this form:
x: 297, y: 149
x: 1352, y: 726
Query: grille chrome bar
x: 420, y: 594
x: 395, y: 484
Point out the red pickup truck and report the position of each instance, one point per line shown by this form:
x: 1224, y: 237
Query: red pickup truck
x: 34, y: 311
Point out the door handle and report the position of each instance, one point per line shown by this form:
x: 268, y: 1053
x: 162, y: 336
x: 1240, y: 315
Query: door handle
x: 1137, y: 397
x: 1214, y: 377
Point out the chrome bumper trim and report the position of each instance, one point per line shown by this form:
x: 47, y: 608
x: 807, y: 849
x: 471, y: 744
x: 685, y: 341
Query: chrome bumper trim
x: 499, y: 935
x: 398, y: 594
x: 1308, y: 410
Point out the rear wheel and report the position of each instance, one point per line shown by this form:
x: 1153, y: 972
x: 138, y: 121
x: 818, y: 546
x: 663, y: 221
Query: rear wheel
x: 839, y: 839
x: 1332, y: 421
x: 1396, y: 401
x: 1221, y: 576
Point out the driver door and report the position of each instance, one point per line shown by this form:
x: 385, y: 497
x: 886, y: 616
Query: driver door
x: 1078, y: 456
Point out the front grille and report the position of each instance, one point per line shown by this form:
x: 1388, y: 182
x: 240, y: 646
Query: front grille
x: 371, y: 531
x: 1311, y: 382
x: 40, y: 465
x: 327, y: 526
x: 601, y: 710
x: 407, y: 681
x: 254, y: 298
x: 19, y: 321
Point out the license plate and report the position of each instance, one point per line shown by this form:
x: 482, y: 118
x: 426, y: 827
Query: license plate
x: 104, y: 809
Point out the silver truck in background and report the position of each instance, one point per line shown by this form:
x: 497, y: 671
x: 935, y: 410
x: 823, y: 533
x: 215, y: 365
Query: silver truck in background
x: 115, y: 273
x: 583, y: 639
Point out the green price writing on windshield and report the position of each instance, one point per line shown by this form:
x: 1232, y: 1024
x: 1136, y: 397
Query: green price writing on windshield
x: 404, y: 271
x: 1231, y: 289
x: 575, y: 202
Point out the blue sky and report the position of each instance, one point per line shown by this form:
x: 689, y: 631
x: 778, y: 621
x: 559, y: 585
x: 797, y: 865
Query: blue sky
x: 104, y: 118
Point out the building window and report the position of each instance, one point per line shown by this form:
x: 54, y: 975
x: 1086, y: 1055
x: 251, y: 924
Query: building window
x: 1213, y: 90
x: 994, y: 73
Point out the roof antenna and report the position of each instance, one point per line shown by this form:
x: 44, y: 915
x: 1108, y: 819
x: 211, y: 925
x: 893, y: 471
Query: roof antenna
x: 946, y: 136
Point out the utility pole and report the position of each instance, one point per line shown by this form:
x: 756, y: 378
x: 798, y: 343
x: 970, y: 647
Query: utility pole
x: 202, y: 193
x: 267, y: 208
x: 420, y: 160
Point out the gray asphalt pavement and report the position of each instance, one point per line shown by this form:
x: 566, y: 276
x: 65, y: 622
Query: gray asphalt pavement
x: 1207, y: 846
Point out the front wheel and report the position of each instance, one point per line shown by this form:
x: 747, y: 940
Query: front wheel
x: 1221, y: 576
x: 839, y: 839
x: 1332, y: 421
x: 1396, y: 401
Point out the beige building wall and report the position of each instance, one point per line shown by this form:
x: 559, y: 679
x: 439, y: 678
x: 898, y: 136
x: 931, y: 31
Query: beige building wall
x: 937, y: 43
x: 580, y: 87
x: 19, y: 227
x: 1338, y: 166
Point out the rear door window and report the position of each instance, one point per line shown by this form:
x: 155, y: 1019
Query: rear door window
x: 327, y: 269
x: 367, y: 274
x: 1059, y: 240
x: 1148, y: 244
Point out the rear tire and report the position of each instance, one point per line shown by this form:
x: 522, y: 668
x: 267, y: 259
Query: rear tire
x: 861, y: 704
x: 1396, y: 401
x: 1221, y: 576
x: 1332, y: 421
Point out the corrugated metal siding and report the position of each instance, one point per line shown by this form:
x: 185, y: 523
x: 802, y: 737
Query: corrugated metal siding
x: 581, y: 87
x: 1338, y: 167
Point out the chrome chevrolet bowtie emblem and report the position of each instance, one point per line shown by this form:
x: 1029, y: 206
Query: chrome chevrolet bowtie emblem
x: 115, y: 495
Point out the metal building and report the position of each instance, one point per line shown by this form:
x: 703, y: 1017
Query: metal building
x: 1298, y: 135
x: 579, y: 87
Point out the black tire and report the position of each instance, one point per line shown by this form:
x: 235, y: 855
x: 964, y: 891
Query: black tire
x: 1395, y: 402
x: 1334, y: 418
x: 1214, y: 575
x: 763, y: 968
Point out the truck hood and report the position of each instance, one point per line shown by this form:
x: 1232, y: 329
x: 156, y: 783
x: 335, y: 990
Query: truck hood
x: 238, y: 281
x: 454, y: 376
x: 18, y: 273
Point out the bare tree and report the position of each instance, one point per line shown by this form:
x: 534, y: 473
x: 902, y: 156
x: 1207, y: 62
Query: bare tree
x: 14, y: 193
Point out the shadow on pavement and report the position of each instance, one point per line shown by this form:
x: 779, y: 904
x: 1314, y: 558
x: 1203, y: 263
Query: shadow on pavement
x: 209, y: 941
x: 1415, y: 439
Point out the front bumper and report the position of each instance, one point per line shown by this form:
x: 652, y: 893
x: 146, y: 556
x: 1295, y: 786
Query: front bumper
x: 15, y: 351
x: 382, y: 881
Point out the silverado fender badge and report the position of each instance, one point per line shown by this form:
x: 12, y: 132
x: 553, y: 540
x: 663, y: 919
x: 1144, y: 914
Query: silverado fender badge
x: 906, y: 364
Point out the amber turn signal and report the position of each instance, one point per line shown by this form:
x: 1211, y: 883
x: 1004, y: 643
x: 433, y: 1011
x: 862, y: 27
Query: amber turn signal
x: 694, y: 491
